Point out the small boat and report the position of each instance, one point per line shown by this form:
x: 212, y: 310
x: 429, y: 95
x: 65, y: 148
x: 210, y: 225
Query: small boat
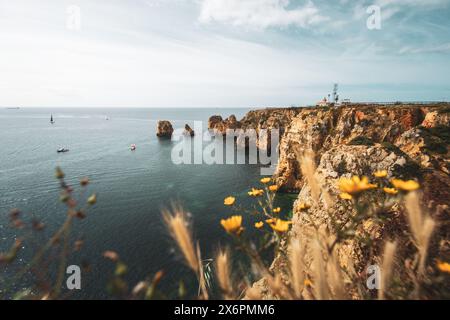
x: 133, y: 147
x: 51, y: 119
x: 62, y: 150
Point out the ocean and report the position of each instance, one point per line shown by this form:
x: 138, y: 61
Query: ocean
x: 132, y: 188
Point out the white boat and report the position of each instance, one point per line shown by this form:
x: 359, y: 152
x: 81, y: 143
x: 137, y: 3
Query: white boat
x: 62, y: 150
x: 133, y: 147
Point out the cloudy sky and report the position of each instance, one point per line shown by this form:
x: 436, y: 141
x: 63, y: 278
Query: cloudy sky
x: 220, y: 53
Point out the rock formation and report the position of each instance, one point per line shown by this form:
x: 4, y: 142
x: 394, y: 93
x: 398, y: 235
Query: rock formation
x: 409, y: 141
x: 164, y: 129
x: 188, y: 131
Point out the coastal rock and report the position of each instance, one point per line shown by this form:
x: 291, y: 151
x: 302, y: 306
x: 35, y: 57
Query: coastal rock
x: 320, y: 129
x: 437, y: 118
x: 165, y: 129
x: 409, y: 141
x: 213, y: 121
x: 188, y: 131
x: 217, y: 124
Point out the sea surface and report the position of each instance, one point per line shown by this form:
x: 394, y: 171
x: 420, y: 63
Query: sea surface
x: 132, y: 188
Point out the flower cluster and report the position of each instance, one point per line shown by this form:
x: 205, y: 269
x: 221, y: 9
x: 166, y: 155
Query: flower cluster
x: 353, y: 187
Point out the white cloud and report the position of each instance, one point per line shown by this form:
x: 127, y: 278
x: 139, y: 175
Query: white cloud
x: 390, y: 8
x: 260, y: 14
x: 443, y: 48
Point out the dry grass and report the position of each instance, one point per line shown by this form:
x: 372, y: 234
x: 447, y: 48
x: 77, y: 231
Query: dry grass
x: 386, y: 268
x: 223, y: 273
x: 297, y: 266
x: 178, y: 226
x: 422, y: 227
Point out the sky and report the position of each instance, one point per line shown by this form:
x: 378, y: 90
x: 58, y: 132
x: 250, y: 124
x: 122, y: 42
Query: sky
x: 221, y: 53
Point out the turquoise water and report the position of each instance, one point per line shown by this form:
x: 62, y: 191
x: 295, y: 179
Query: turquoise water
x: 132, y: 187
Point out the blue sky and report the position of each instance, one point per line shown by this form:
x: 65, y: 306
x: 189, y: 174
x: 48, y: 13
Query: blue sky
x: 220, y: 53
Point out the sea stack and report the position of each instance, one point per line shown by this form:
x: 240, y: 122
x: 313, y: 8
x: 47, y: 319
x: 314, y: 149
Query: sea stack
x: 213, y: 121
x: 165, y: 129
x: 188, y: 131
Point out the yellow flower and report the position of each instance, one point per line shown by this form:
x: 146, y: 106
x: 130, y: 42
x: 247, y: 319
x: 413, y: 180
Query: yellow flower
x: 92, y: 199
x: 443, y: 266
x: 273, y: 188
x: 355, y: 185
x: 390, y: 190
x: 256, y: 192
x: 265, y: 180
x: 229, y: 201
x: 280, y: 225
x: 232, y: 224
x: 259, y: 225
x: 276, y: 210
x: 307, y: 283
x: 409, y: 185
x: 346, y: 196
x: 304, y: 206
x: 380, y: 174
x: 269, y: 221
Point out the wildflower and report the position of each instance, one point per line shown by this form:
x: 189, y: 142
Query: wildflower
x: 92, y: 199
x: 443, y: 266
x: 59, y: 173
x: 121, y: 269
x: 276, y: 210
x: 14, y: 214
x: 232, y: 225
x: 390, y: 190
x: 273, y: 188
x: 111, y: 255
x: 409, y: 185
x: 304, y: 206
x: 355, y: 185
x: 80, y: 214
x: 265, y: 180
x: 64, y: 197
x: 256, y: 192
x: 37, y: 225
x: 280, y: 225
x: 84, y: 182
x: 380, y: 174
x: 229, y: 201
x: 346, y: 196
x: 259, y: 225
x: 307, y: 283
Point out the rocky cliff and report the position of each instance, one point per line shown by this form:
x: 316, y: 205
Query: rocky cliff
x: 409, y: 141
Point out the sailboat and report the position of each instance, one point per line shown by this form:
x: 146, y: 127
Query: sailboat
x: 51, y: 119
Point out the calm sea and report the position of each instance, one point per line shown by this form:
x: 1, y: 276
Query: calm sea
x: 132, y: 187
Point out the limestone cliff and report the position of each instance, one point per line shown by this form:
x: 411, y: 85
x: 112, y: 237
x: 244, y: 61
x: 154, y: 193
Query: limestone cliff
x: 409, y: 141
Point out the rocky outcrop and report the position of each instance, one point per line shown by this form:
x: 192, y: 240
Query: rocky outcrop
x: 188, y: 131
x: 165, y: 129
x: 409, y: 141
x: 255, y: 126
x: 398, y: 127
x: 216, y: 123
